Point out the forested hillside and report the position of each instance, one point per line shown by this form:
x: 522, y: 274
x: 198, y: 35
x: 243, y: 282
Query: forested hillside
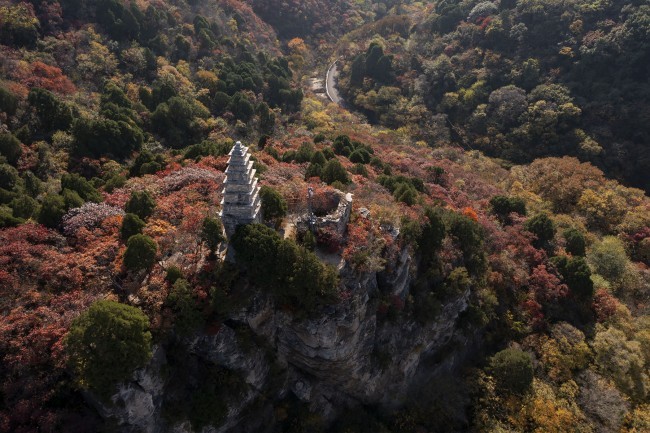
x: 517, y: 80
x: 477, y: 257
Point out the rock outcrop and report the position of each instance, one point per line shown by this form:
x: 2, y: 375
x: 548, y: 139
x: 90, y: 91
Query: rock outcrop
x: 136, y: 405
x: 346, y: 355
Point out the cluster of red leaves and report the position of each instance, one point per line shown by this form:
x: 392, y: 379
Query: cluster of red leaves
x: 533, y: 311
x: 41, y: 291
x: 174, y: 207
x: 545, y: 285
x: 544, y: 288
x: 639, y: 244
x: 329, y: 239
x: 360, y: 234
x: 45, y: 76
x: 33, y: 255
x: 324, y: 199
x: 483, y: 22
x: 605, y: 305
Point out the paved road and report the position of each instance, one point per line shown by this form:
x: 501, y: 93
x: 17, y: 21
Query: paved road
x: 330, y: 84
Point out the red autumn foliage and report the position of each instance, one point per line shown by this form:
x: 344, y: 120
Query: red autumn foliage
x: 324, y: 200
x: 41, y: 286
x: 533, y: 310
x: 604, y: 305
x: 329, y: 239
x: 546, y: 285
x: 48, y: 77
x: 360, y: 233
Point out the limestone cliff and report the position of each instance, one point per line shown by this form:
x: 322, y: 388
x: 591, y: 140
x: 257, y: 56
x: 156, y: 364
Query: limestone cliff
x: 344, y: 356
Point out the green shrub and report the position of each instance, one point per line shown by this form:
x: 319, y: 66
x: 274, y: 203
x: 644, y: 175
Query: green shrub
x: 469, y: 235
x: 173, y: 274
x: 406, y: 193
x: 8, y: 177
x: 342, y: 145
x: 81, y: 186
x: 576, y: 274
x: 267, y: 118
x: 24, y: 207
x: 187, y: 315
x: 361, y: 170
x: 140, y: 203
x: 308, y: 240
x: 97, y: 137
x: 334, y: 171
x: 131, y: 225
x: 10, y: 148
x: 8, y: 101
x: 313, y: 170
x: 140, y: 252
x: 113, y: 182
x: 360, y: 156
x: 392, y: 183
x: 52, y: 210
x: 106, y: 344
x: 7, y: 219
x: 503, y: 206
x: 293, y: 273
x: 430, y: 235
x: 177, y: 121
x: 609, y: 258
x: 273, y: 152
x: 147, y: 163
x: 212, y: 233
x: 575, y: 242
x: 328, y: 153
x: 53, y: 114
x: 72, y: 199
x: 289, y: 156
x: 318, y: 158
x: 33, y: 185
x: 207, y: 148
x: 457, y: 282
x: 274, y: 206
x: 305, y: 152
x: 512, y: 370
x: 543, y: 228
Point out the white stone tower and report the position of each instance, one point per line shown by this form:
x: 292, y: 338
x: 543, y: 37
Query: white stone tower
x: 241, y: 199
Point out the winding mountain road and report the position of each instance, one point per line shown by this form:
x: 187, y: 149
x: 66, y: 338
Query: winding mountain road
x: 330, y: 85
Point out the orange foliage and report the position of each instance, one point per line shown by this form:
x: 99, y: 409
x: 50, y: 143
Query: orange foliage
x: 48, y: 77
x: 470, y: 213
x: 297, y: 45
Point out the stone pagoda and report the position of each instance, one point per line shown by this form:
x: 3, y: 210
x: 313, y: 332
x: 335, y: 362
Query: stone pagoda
x: 241, y: 199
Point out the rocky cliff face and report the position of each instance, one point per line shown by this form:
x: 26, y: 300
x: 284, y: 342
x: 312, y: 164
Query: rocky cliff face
x: 345, y: 356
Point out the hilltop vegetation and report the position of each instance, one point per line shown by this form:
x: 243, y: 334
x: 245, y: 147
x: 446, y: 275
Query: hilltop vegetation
x: 498, y: 133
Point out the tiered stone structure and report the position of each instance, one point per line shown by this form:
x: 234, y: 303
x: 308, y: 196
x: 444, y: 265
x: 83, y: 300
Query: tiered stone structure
x: 241, y: 199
